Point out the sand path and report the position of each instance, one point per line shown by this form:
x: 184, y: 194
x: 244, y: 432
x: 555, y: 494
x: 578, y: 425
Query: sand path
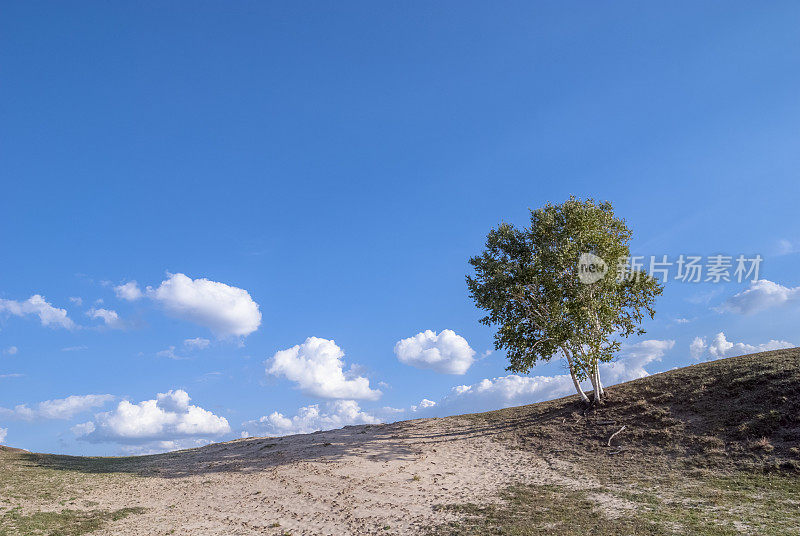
x: 382, y: 479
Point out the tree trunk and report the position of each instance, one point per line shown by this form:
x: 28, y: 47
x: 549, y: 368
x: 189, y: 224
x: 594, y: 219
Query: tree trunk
x: 575, y: 378
x: 578, y: 385
x: 598, y: 393
x: 599, y: 383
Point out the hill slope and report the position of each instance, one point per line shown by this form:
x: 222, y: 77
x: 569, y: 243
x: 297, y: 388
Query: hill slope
x: 742, y: 411
x: 708, y: 449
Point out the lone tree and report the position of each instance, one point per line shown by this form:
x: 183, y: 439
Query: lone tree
x: 550, y: 291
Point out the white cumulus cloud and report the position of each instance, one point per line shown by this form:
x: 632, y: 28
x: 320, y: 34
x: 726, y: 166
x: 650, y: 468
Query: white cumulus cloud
x: 168, y: 417
x: 445, y: 352
x: 697, y: 347
x: 129, y: 291
x: 720, y: 347
x: 110, y: 318
x: 3, y: 433
x: 762, y: 294
x: 334, y: 414
x: 317, y: 367
x: 11, y: 350
x: 60, y: 408
x: 37, y: 305
x: 633, y: 360
x: 423, y: 404
x: 225, y: 310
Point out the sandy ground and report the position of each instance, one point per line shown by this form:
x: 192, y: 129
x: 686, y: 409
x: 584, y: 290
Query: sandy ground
x: 381, y: 479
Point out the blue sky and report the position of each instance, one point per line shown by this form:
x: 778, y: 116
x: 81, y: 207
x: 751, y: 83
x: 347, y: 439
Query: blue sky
x: 331, y: 168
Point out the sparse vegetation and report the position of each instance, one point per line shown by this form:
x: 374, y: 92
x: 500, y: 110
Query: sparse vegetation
x: 693, y: 459
x: 29, y: 491
x: 62, y: 523
x: 742, y: 503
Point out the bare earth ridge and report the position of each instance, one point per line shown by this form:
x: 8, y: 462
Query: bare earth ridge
x: 372, y: 479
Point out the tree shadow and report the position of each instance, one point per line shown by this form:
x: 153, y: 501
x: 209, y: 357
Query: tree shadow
x: 401, y: 441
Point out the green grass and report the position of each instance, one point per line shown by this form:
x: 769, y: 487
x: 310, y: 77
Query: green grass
x: 40, y: 500
x: 541, y: 510
x: 64, y: 523
x: 736, y: 503
x: 732, y: 505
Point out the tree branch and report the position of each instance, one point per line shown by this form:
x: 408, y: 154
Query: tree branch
x: 615, y: 435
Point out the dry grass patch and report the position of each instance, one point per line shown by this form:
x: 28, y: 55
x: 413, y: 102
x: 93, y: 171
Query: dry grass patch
x: 37, y: 500
x: 710, y: 449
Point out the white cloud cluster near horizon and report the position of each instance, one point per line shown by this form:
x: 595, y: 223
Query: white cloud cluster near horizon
x: 515, y: 390
x: 445, y: 352
x: 332, y: 415
x: 226, y: 310
x: 3, y: 434
x: 720, y: 347
x: 317, y: 367
x: 49, y: 315
x: 485, y: 395
x: 759, y: 296
x: 60, y: 408
x: 158, y: 447
x: 168, y: 417
x: 423, y: 404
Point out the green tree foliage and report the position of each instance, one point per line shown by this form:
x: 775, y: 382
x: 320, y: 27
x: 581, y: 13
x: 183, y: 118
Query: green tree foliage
x: 527, y: 281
